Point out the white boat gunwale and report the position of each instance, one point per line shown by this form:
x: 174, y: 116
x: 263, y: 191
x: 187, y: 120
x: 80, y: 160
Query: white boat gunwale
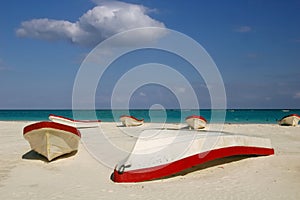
x: 74, y: 123
x: 72, y: 120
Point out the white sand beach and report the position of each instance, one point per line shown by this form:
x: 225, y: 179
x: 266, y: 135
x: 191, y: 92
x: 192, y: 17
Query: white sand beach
x: 23, y: 176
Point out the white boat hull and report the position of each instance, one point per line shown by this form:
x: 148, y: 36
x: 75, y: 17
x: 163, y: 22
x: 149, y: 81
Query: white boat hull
x: 171, y: 151
x: 51, y: 139
x: 290, y: 120
x: 130, y: 121
x: 196, y: 122
x: 74, y: 123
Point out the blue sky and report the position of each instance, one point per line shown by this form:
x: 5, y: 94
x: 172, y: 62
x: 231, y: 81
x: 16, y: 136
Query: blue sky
x: 255, y: 45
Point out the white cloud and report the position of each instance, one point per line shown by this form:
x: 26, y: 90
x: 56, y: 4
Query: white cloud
x: 3, y: 66
x: 268, y: 98
x: 180, y: 89
x: 243, y: 29
x: 142, y: 94
x: 297, y: 95
x: 252, y: 55
x: 97, y: 24
x: 297, y: 40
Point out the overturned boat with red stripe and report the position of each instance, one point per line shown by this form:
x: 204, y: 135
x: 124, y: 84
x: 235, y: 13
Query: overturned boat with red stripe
x: 52, y: 139
x: 161, y: 153
x: 289, y: 120
x: 74, y: 123
x: 128, y: 120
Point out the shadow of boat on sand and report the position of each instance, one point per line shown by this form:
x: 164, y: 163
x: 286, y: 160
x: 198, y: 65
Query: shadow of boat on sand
x: 33, y: 155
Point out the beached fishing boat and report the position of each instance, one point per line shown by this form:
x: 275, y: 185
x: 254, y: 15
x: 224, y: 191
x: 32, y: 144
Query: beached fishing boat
x: 52, y: 139
x: 171, y: 151
x: 131, y: 121
x: 196, y: 122
x: 74, y: 123
x: 289, y: 120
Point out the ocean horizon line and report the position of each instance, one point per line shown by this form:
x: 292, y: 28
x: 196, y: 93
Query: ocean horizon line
x: 46, y: 109
x: 154, y: 115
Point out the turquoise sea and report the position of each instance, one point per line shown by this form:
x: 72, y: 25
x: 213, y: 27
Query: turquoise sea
x: 269, y: 116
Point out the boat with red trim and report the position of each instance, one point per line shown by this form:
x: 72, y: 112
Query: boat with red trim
x: 289, y: 120
x: 169, y: 152
x: 128, y: 120
x: 52, y: 139
x: 196, y: 122
x: 74, y: 123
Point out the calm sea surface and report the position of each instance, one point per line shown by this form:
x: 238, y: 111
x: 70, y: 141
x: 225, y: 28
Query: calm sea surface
x: 172, y: 115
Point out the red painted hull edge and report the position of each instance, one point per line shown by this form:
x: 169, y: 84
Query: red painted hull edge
x: 53, y: 125
x: 177, y: 166
x: 196, y: 117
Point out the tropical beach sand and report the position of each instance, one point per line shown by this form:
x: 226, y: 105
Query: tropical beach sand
x: 25, y: 176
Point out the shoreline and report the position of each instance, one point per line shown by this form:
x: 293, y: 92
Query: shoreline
x: 82, y: 176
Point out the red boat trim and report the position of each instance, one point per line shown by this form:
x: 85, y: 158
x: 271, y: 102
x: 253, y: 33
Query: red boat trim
x: 53, y: 125
x: 72, y: 120
x: 140, y: 120
x: 292, y: 115
x: 161, y: 171
x: 197, y: 117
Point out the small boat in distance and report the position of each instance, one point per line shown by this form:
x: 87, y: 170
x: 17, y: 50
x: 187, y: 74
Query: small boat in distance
x: 196, y: 122
x: 74, y: 123
x: 172, y: 151
x: 128, y: 120
x: 52, y: 139
x: 289, y: 120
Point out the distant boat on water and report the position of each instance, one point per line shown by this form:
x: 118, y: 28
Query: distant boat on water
x: 196, y: 122
x: 52, y: 139
x: 128, y: 120
x: 289, y: 120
